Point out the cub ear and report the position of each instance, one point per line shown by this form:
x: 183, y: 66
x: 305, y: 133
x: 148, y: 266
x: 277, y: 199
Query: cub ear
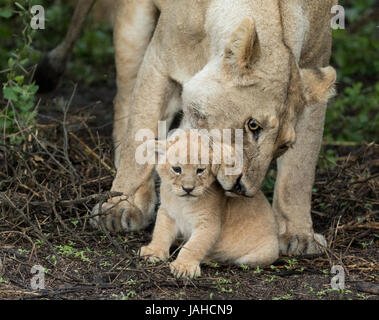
x: 242, y: 50
x: 318, y: 84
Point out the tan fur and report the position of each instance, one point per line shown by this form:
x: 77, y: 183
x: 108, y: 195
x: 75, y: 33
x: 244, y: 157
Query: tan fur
x: 237, y: 230
x: 232, y: 60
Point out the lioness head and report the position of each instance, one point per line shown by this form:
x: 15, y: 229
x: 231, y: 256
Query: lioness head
x: 239, y: 90
x: 179, y: 172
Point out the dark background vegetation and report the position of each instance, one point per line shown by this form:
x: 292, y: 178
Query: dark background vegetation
x: 56, y: 152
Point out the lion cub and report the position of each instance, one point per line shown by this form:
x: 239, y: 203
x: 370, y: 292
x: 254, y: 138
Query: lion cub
x: 237, y: 230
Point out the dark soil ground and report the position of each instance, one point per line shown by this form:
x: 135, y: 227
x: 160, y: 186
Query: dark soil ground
x: 49, y: 184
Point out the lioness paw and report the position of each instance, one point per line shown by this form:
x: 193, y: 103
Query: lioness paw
x: 302, y: 244
x: 318, y: 244
x: 182, y: 270
x: 117, y: 215
x: 153, y: 255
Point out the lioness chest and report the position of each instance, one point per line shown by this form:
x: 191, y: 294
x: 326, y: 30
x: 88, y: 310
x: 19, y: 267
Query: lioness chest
x: 181, y: 38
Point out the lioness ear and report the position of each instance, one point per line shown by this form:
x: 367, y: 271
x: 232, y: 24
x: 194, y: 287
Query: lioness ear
x: 242, y: 50
x: 319, y: 84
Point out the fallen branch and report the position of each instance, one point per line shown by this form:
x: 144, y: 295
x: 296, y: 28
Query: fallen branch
x: 368, y: 287
x: 92, y: 153
x: 70, y: 203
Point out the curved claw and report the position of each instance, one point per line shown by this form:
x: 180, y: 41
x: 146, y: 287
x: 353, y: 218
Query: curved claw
x: 118, y: 216
x: 309, y: 244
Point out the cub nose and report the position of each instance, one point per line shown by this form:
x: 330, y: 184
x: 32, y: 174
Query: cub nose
x: 239, y: 187
x: 188, y: 189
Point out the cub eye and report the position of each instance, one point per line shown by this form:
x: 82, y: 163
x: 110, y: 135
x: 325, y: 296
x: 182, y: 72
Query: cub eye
x: 200, y: 171
x: 177, y: 170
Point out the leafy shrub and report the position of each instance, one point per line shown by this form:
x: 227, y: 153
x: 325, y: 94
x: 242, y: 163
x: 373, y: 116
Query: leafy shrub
x: 353, y: 115
x: 19, y: 93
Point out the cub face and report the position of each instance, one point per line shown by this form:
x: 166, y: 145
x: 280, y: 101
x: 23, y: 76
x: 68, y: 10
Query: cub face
x: 184, y: 178
x: 186, y: 181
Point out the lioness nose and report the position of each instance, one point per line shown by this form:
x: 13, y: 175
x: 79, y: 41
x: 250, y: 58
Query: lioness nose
x: 239, y: 187
x: 188, y: 189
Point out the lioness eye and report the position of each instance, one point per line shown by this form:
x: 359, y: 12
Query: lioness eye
x: 177, y: 170
x: 200, y: 170
x: 254, y: 127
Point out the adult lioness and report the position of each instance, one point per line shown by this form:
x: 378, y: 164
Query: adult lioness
x: 256, y: 65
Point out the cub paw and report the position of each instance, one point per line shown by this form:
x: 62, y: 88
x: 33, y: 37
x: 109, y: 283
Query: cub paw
x: 118, y: 215
x: 301, y: 244
x: 183, y: 270
x: 153, y: 254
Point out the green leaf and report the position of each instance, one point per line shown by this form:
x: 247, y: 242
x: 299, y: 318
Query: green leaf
x: 20, y: 6
x: 19, y: 79
x: 6, y: 13
x: 10, y: 93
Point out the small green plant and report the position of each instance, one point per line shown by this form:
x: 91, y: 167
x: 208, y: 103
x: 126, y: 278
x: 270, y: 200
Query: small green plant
x: 325, y: 272
x: 128, y: 295
x: 180, y: 294
x: 365, y: 244
x: 271, y: 279
x: 81, y: 255
x: 105, y: 264
x: 361, y: 296
x: 131, y: 282
x: 273, y: 268
x: 244, y: 267
x: 258, y: 270
x: 75, y: 222
x: 291, y: 263
x: 69, y: 250
x: 2, y: 280
x: 110, y: 253
x: 287, y: 296
x: 23, y: 251
x: 39, y: 243
x: 222, y: 285
x: 52, y: 259
x: 310, y: 289
x: 122, y: 296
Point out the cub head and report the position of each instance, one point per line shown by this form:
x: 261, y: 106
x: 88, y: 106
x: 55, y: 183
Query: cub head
x: 183, y: 170
x: 259, y: 91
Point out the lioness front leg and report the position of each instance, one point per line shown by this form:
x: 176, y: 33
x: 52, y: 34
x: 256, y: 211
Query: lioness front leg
x: 165, y: 232
x: 131, y: 38
x: 187, y: 264
x: 293, y: 188
x: 134, y: 179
